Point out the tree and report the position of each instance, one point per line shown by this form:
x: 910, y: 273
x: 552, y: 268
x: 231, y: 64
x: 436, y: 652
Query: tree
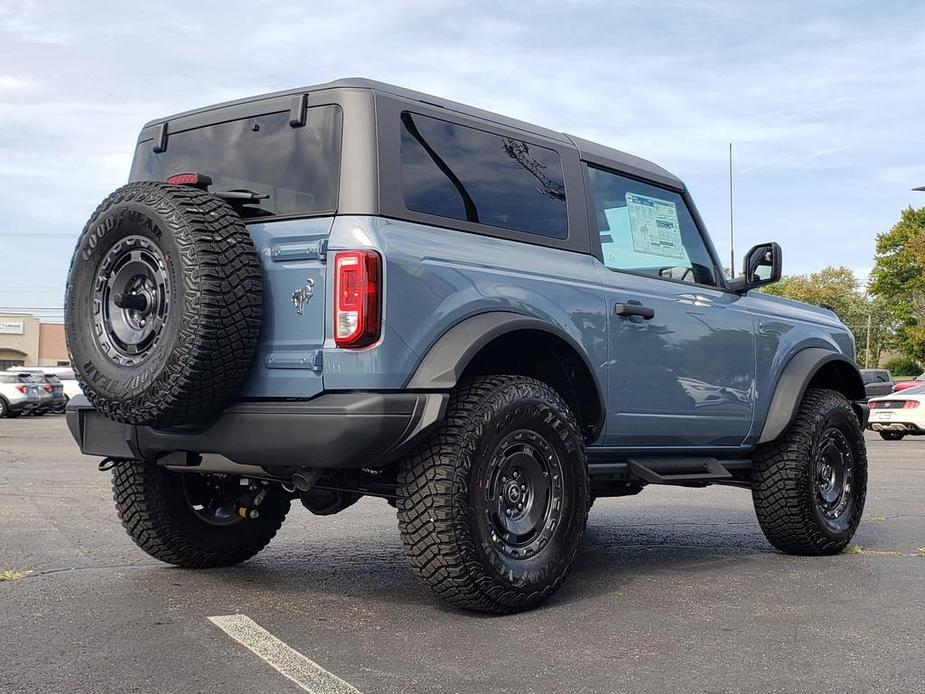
x: 898, y: 278
x: 838, y: 289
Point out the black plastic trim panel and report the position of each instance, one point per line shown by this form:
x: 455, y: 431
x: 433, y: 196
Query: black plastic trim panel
x: 334, y: 430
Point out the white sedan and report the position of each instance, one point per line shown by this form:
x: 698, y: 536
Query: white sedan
x: 898, y: 414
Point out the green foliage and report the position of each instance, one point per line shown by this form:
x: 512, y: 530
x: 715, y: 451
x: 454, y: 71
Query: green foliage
x: 903, y: 366
x: 899, y: 278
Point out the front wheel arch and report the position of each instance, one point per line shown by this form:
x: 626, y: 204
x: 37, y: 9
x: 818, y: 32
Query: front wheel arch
x: 813, y: 367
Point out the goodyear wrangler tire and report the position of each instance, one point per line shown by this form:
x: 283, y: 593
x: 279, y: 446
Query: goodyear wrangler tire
x: 194, y: 520
x: 164, y: 305
x: 493, y: 507
x: 809, y: 486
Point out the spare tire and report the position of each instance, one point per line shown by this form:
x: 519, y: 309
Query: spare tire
x: 163, y: 305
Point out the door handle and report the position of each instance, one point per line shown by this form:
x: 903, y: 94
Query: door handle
x: 627, y: 310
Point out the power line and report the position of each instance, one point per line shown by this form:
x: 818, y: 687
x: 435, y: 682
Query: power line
x: 53, y: 235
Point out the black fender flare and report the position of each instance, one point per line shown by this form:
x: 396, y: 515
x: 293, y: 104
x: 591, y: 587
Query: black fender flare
x: 796, y: 377
x: 447, y: 359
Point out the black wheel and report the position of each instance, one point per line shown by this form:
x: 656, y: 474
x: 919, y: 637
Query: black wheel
x: 4, y: 409
x: 891, y: 436
x: 493, y: 507
x: 163, y: 305
x: 809, y: 486
x: 60, y: 407
x: 196, y: 520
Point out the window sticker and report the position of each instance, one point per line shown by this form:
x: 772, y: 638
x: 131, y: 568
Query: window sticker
x: 654, y: 226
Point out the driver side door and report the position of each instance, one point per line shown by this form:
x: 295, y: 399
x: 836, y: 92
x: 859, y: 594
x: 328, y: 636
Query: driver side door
x: 681, y: 366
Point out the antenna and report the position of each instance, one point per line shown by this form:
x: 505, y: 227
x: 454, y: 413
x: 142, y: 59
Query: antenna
x: 732, y: 249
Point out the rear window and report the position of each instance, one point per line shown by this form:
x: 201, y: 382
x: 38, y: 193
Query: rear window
x: 453, y: 171
x: 876, y: 376
x: 298, y: 168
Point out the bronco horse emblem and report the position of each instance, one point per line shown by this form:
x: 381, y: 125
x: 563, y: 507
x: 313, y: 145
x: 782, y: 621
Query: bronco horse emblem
x: 301, y: 296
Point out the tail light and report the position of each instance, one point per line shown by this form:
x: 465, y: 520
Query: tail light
x: 357, y: 280
x: 48, y: 388
x: 888, y: 404
x: 21, y: 389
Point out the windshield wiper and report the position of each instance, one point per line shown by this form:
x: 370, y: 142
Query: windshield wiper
x: 241, y: 195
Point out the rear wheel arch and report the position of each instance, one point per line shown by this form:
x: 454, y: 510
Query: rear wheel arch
x: 509, y: 343
x: 813, y: 367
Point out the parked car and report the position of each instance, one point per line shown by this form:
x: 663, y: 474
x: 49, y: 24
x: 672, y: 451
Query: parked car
x: 877, y: 382
x: 45, y: 392
x: 354, y: 289
x: 62, y: 380
x: 18, y: 396
x: 900, y: 414
x: 902, y: 385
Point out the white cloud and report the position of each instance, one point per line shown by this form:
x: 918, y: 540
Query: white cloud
x: 820, y: 98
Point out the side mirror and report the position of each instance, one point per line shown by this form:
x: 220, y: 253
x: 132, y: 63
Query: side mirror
x: 762, y: 265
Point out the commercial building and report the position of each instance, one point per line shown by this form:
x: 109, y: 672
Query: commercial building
x: 27, y: 341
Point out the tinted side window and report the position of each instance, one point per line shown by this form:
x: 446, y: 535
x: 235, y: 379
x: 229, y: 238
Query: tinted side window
x: 648, y: 230
x: 462, y: 173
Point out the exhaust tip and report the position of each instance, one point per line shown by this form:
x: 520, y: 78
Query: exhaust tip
x: 303, y: 480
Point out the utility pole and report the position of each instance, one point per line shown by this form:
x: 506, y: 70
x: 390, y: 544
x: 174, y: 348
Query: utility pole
x: 732, y: 250
x: 867, y: 350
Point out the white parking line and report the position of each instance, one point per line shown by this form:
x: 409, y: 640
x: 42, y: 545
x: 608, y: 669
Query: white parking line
x: 287, y: 661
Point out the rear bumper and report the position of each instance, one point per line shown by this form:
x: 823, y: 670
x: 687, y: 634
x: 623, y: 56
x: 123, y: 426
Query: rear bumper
x: 333, y: 430
x: 905, y: 427
x: 23, y: 405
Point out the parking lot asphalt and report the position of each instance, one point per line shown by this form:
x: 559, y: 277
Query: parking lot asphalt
x: 674, y: 590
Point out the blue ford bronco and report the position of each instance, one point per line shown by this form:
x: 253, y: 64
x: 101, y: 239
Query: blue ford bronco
x: 355, y: 290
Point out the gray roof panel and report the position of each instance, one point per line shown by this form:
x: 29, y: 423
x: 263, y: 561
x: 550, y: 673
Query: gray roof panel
x: 622, y: 161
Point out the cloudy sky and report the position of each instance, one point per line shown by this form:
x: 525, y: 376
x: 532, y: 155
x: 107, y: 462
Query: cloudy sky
x: 823, y: 100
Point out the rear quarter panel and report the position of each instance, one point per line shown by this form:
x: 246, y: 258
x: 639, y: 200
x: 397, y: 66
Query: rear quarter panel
x: 435, y: 278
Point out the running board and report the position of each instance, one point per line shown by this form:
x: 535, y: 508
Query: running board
x: 669, y: 470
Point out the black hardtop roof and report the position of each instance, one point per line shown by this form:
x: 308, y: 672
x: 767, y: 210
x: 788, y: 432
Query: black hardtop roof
x: 587, y: 148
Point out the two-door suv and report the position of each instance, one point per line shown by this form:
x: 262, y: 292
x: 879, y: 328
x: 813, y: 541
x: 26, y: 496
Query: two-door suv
x: 357, y: 290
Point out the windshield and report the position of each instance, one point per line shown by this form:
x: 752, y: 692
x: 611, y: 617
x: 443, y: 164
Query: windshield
x: 298, y: 168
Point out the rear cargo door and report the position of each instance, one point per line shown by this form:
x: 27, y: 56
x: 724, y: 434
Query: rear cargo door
x: 288, y: 362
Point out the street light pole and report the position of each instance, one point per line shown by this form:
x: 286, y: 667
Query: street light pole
x: 732, y: 250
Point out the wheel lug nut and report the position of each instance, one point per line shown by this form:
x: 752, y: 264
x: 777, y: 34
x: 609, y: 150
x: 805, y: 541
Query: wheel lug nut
x: 523, y: 487
x: 503, y: 479
x: 520, y: 507
x: 508, y: 512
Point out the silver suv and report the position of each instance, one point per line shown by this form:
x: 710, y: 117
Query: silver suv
x: 20, y: 393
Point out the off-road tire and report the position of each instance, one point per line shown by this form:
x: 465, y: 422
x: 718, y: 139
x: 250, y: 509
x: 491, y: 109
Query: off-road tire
x: 784, y: 478
x: 212, y: 305
x: 891, y: 435
x: 445, y: 535
x: 154, y: 510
